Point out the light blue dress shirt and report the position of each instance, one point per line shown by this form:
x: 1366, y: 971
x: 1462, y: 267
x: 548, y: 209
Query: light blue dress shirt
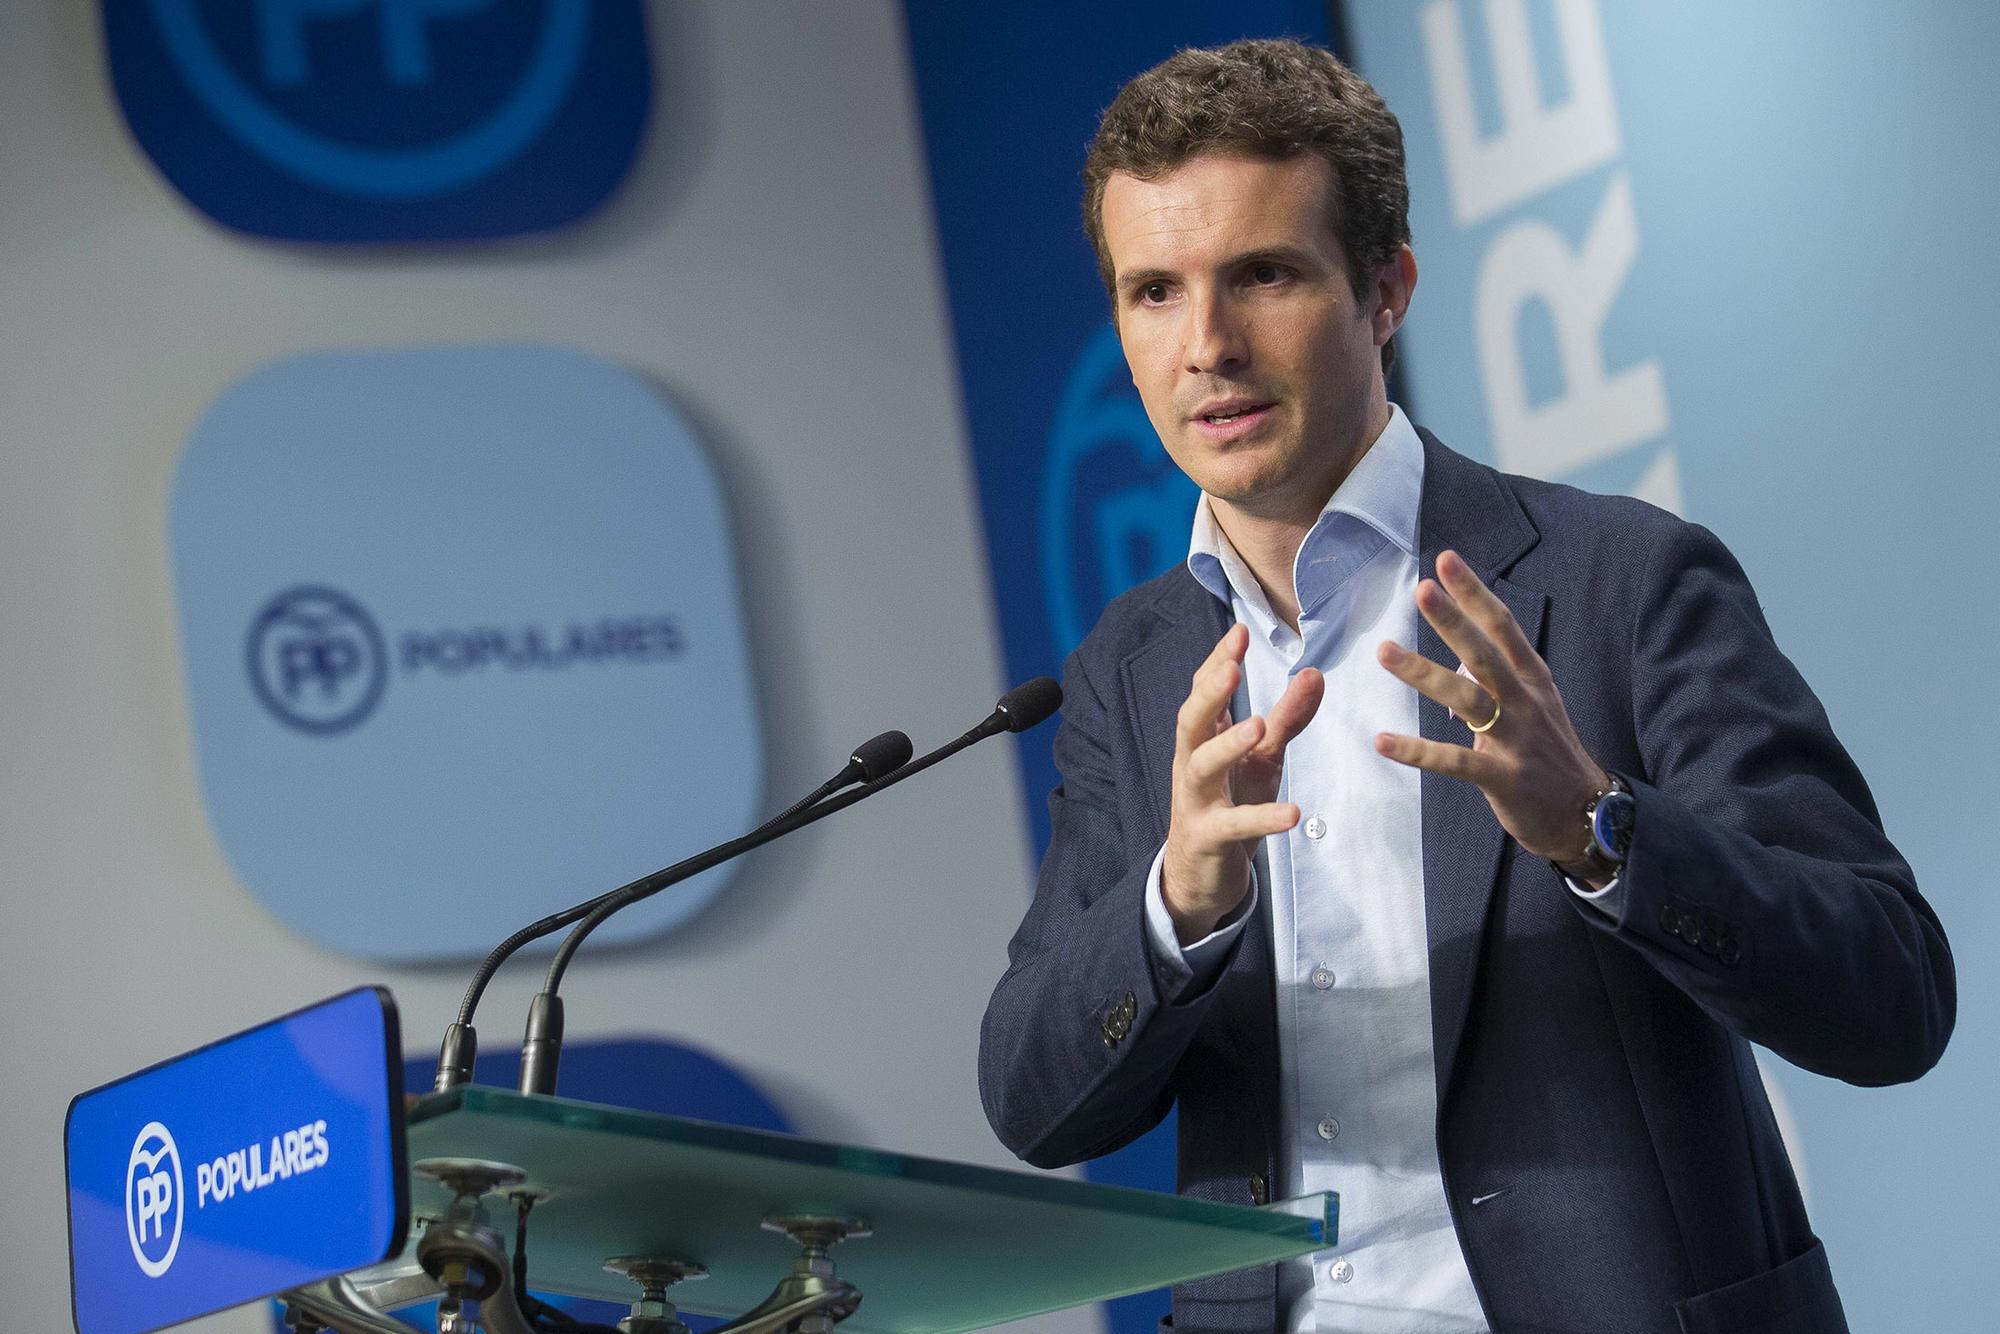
x: 1357, y: 1079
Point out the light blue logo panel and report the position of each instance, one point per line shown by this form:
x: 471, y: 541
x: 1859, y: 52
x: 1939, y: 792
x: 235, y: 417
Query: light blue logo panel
x: 384, y: 120
x: 261, y: 1162
x: 463, y: 644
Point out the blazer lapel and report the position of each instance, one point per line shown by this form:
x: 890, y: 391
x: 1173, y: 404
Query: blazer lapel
x: 1161, y: 670
x: 1156, y: 677
x: 1465, y: 509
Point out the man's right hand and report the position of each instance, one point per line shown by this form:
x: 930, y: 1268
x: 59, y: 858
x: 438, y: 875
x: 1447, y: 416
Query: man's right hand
x: 1225, y: 784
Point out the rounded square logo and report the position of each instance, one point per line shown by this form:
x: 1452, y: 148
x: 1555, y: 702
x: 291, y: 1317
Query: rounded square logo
x: 384, y: 120
x: 463, y: 644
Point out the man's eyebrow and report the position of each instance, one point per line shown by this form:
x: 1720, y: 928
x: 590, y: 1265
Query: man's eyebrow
x: 1296, y: 256
x: 1137, y: 278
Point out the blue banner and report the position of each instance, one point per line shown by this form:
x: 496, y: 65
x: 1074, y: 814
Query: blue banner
x: 1079, y: 499
x: 259, y: 1163
x: 1737, y: 260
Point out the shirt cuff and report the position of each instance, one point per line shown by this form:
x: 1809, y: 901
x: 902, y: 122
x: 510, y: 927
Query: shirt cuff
x: 1186, y: 970
x: 1610, y: 900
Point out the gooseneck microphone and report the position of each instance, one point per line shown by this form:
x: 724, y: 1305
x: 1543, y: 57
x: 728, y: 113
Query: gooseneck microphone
x: 1025, y: 706
x: 870, y: 761
x: 1018, y: 710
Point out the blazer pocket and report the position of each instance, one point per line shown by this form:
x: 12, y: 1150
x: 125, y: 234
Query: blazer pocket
x: 1797, y: 1297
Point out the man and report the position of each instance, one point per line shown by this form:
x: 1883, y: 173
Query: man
x: 1483, y: 949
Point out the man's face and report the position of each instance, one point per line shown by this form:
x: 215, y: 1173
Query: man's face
x: 1258, y: 366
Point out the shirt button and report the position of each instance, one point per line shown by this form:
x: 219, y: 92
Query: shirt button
x: 1340, y: 1271
x: 1328, y: 1128
x: 1315, y: 828
x: 1322, y: 978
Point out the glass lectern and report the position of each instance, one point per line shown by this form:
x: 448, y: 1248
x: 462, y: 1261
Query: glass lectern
x: 620, y: 1201
x: 284, y: 1161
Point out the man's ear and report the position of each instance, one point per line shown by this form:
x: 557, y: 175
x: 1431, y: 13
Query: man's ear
x: 1395, y: 283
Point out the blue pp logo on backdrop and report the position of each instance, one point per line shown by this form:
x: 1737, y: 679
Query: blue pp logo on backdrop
x: 316, y: 660
x: 1115, y: 509
x: 384, y: 120
x: 463, y: 643
x: 153, y: 1200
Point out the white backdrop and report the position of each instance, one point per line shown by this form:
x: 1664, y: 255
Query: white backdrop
x: 768, y: 266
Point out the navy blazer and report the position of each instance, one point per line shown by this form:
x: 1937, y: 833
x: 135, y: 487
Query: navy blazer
x: 1597, y: 1093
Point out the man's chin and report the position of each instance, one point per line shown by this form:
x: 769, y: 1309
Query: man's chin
x: 1241, y: 487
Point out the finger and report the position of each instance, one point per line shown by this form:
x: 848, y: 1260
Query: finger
x: 1205, y: 712
x: 1210, y: 690
x: 1210, y: 762
x: 1294, y: 709
x: 1235, y: 824
x: 1461, y: 694
x: 1439, y: 757
x: 1485, y: 607
x: 1465, y: 639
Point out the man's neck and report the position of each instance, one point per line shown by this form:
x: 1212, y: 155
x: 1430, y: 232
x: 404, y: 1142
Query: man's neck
x: 1268, y: 539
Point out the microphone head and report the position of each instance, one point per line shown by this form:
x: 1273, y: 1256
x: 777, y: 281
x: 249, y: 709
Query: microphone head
x: 880, y: 756
x: 1029, y: 703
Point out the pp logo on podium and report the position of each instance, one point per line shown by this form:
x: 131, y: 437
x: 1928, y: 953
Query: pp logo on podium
x: 153, y: 1199
x: 384, y: 120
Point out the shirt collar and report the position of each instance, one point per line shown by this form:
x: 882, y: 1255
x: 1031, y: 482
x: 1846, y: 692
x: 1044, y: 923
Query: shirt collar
x: 1384, y: 491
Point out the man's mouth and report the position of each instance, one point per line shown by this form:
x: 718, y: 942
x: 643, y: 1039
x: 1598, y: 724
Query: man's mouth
x: 1228, y: 419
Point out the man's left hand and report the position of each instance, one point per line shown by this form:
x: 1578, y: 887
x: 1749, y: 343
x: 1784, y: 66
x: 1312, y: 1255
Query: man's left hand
x: 1535, y: 773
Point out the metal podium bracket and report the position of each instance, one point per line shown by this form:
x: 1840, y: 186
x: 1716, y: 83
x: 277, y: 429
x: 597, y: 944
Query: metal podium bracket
x: 463, y: 1252
x: 653, y: 1313
x: 810, y: 1299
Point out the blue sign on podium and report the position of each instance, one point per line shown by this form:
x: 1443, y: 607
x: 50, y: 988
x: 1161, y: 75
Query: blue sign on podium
x: 267, y: 1160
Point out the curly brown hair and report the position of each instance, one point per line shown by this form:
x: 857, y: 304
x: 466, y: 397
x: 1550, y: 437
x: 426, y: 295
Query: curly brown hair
x: 1269, y: 98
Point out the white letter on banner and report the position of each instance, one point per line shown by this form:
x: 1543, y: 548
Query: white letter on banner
x: 1595, y: 417
x: 1536, y: 148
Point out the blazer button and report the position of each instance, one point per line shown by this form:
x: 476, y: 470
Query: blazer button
x: 1731, y: 951
x: 1711, y: 940
x: 1690, y: 929
x: 1670, y: 919
x: 1260, y: 1189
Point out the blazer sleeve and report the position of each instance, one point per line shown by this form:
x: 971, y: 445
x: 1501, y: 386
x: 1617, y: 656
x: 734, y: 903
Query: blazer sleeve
x: 1759, y: 880
x: 1079, y: 1042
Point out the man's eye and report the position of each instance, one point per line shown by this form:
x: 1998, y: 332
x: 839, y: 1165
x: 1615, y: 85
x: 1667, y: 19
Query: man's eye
x: 1153, y: 293
x: 1263, y: 275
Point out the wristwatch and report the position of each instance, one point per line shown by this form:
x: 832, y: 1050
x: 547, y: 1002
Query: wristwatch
x: 1608, y: 820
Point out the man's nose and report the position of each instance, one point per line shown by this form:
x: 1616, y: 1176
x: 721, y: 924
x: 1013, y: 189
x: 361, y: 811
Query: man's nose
x: 1214, y: 341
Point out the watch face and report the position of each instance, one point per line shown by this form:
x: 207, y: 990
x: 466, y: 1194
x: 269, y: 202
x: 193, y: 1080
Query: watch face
x: 1613, y: 823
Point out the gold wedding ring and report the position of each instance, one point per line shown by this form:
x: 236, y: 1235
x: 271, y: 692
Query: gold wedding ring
x: 1486, y: 726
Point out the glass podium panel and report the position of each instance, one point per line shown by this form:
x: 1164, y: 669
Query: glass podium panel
x: 952, y: 1246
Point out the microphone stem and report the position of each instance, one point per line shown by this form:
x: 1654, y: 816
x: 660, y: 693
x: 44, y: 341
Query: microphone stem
x: 541, y: 1052
x: 602, y: 907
